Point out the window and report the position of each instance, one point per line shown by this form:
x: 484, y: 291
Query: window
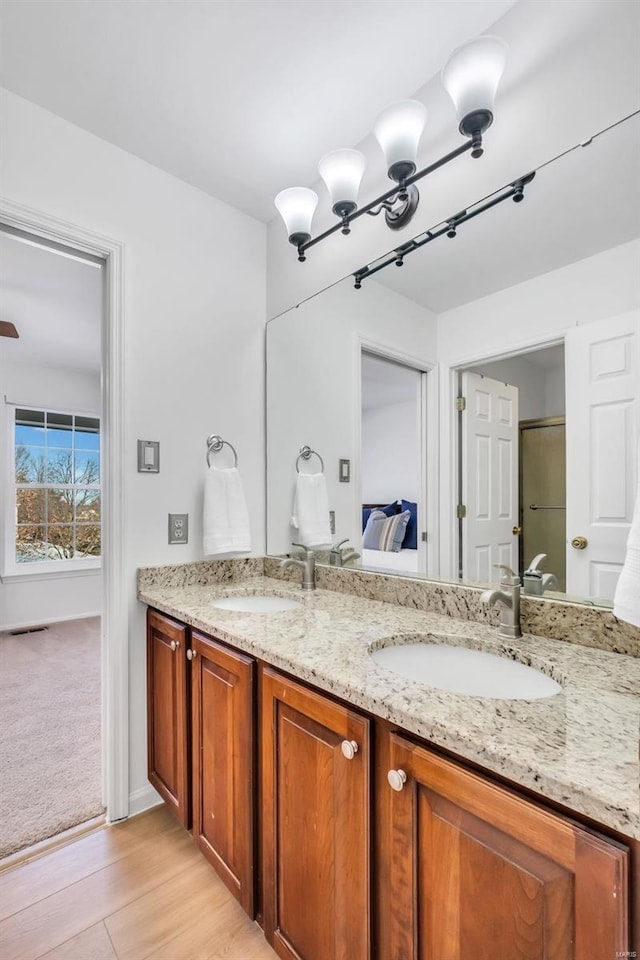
x: 57, y: 488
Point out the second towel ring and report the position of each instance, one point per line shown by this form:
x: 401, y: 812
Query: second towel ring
x: 215, y: 444
x: 305, y: 454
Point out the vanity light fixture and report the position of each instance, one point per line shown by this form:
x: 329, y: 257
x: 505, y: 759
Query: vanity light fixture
x: 471, y: 77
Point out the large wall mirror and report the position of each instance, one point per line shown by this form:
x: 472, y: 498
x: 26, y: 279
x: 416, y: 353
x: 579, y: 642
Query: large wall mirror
x: 487, y: 392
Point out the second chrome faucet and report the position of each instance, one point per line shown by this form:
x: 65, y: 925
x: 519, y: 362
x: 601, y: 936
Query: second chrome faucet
x: 509, y: 600
x: 307, y: 564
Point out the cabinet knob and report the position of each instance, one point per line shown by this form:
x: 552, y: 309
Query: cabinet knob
x: 397, y: 779
x: 192, y: 654
x: 349, y: 749
x: 175, y: 645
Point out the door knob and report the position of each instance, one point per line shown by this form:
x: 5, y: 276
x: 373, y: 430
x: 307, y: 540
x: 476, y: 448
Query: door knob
x: 192, y: 654
x: 397, y: 779
x: 579, y: 543
x: 349, y: 749
x: 516, y: 531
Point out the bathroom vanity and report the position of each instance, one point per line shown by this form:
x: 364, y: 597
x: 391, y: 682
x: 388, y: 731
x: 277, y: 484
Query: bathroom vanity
x: 359, y: 814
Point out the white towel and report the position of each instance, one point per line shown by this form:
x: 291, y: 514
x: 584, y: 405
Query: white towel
x: 311, y: 510
x: 226, y: 517
x: 626, y: 601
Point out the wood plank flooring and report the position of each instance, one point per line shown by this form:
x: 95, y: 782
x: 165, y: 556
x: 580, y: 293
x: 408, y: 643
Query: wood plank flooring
x: 134, y: 891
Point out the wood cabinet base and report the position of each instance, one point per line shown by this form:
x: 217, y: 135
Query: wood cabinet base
x: 316, y: 824
x: 474, y: 870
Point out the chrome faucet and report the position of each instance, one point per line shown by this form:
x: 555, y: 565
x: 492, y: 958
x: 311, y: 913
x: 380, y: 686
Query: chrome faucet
x: 307, y: 565
x: 509, y: 600
x: 338, y: 557
x: 534, y: 581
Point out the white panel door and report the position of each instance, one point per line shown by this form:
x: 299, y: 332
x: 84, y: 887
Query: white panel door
x: 489, y: 477
x: 603, y: 397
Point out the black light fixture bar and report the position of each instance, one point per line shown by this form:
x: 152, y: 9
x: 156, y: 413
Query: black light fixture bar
x: 394, y: 193
x: 514, y: 190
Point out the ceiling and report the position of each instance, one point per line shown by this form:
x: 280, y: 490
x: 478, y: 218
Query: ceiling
x: 241, y: 99
x: 238, y: 98
x: 55, y: 301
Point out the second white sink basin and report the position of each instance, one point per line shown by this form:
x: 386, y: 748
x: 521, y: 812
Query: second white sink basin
x: 461, y: 669
x: 256, y: 603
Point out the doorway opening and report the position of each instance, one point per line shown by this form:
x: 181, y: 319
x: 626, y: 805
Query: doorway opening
x: 393, y: 464
x: 53, y: 303
x: 543, y: 491
x: 511, y: 466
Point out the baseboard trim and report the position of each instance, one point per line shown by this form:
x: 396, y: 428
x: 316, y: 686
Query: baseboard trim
x: 50, y: 622
x: 143, y: 799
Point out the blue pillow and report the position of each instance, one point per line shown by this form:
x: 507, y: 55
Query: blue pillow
x: 385, y: 533
x: 389, y: 511
x: 411, y: 536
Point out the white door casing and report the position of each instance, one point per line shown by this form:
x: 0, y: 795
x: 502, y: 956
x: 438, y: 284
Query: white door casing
x: 603, y: 421
x: 489, y: 477
x: 115, y: 640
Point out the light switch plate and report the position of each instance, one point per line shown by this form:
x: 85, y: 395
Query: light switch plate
x: 344, y: 471
x: 148, y: 456
x: 178, y: 527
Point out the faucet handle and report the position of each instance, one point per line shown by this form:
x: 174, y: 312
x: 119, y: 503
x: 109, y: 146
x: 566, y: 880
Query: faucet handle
x: 509, y: 577
x: 337, y: 546
x: 533, y: 566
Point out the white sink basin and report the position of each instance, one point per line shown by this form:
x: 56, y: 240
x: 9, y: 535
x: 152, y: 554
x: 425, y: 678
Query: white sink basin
x: 256, y: 604
x: 463, y: 670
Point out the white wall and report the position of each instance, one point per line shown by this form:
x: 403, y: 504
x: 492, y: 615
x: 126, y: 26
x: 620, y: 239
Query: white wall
x: 540, y: 390
x: 555, y: 392
x: 40, y: 600
x: 194, y: 326
x: 543, y: 308
x: 313, y: 358
x: 390, y: 452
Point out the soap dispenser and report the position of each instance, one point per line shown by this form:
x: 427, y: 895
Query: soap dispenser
x: 534, y: 581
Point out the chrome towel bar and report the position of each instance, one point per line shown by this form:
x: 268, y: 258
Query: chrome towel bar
x: 215, y: 444
x: 305, y: 454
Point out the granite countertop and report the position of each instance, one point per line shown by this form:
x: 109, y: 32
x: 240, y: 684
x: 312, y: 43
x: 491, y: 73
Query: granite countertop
x: 579, y: 748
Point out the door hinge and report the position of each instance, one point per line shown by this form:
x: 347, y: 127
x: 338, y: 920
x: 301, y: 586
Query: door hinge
x: 461, y: 511
x: 423, y: 536
x: 461, y: 404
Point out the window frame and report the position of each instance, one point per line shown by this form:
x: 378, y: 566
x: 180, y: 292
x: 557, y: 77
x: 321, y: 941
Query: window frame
x: 12, y: 570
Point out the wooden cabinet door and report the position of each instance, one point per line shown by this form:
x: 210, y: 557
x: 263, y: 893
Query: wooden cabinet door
x: 222, y: 698
x: 167, y: 727
x: 476, y: 871
x: 316, y: 824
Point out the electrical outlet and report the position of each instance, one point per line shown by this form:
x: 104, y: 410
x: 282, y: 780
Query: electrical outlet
x: 178, y: 527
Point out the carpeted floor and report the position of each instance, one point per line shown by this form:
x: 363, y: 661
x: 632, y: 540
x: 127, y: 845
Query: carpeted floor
x: 50, y: 749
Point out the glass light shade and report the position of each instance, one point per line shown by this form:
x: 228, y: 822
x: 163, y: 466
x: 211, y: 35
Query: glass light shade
x: 342, y: 171
x: 398, y: 130
x: 296, y: 206
x: 472, y: 73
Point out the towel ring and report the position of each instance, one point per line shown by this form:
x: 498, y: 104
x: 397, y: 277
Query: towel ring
x: 215, y: 444
x: 305, y: 454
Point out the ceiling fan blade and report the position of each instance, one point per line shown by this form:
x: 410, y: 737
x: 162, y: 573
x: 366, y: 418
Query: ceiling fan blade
x: 8, y: 329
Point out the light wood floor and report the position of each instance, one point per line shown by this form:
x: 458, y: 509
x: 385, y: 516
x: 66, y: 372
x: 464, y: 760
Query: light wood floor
x: 135, y: 891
